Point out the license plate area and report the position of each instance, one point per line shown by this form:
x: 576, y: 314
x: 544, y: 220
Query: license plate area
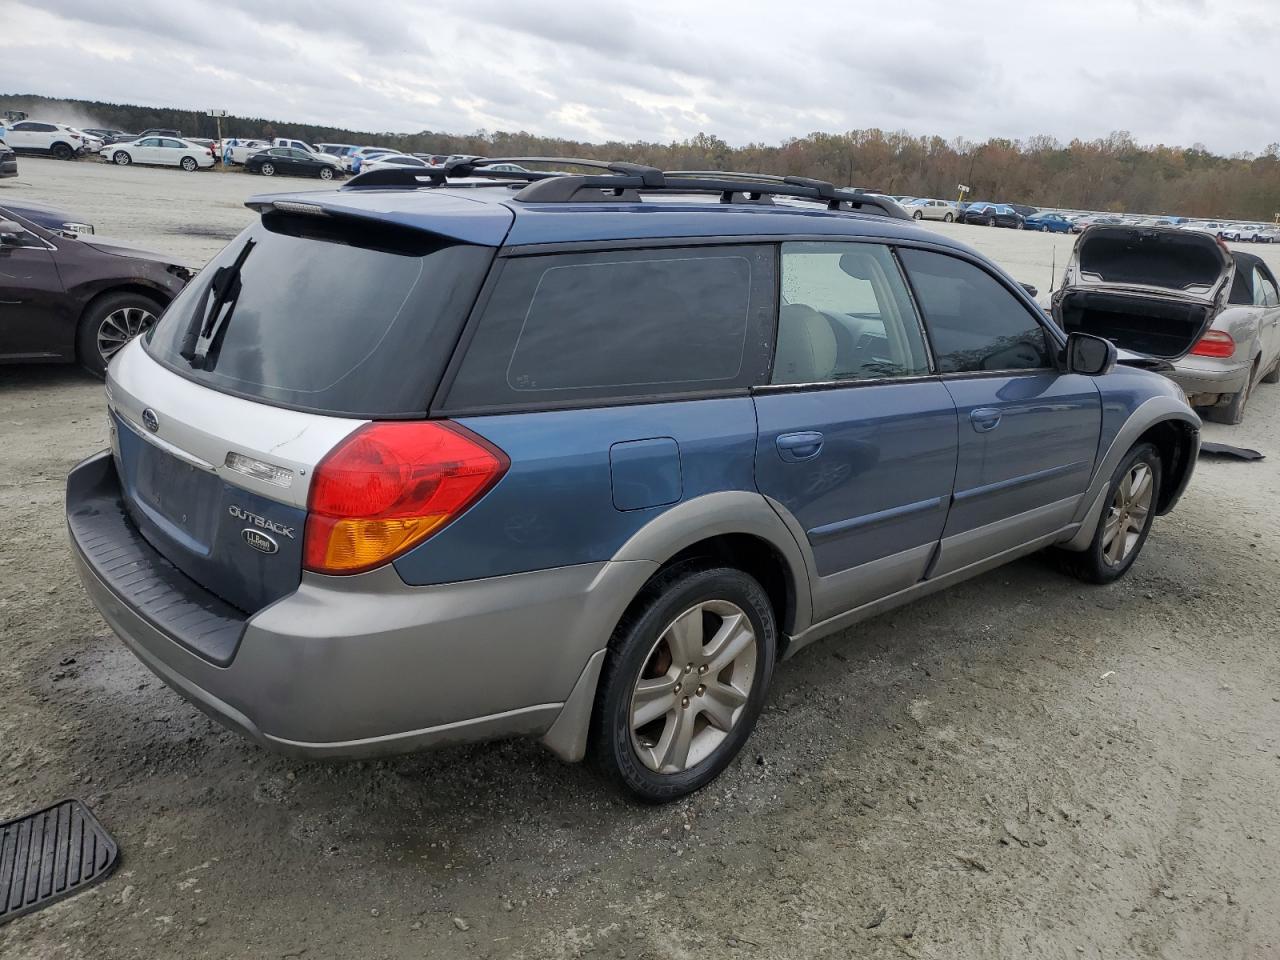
x: 184, y: 496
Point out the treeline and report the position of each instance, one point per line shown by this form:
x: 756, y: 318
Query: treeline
x: 1112, y: 174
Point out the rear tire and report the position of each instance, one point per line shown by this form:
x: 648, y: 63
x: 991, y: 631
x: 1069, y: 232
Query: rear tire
x: 991, y: 221
x: 326, y: 173
x: 719, y: 621
x: 947, y: 218
x: 62, y: 151
x: 1232, y: 412
x: 108, y: 323
x: 189, y: 164
x: 1273, y: 375
x: 1125, y: 523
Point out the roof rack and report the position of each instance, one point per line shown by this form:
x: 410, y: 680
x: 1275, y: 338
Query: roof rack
x: 622, y: 181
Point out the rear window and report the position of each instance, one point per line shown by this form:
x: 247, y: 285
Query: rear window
x: 334, y: 318
x: 619, y: 325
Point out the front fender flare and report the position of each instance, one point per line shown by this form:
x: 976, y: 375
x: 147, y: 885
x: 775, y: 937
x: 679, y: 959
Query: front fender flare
x: 1149, y: 413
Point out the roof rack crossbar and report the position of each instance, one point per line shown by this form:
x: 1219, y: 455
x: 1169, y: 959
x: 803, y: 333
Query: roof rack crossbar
x: 624, y: 181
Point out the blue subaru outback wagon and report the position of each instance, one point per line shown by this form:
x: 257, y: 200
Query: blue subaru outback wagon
x: 457, y: 455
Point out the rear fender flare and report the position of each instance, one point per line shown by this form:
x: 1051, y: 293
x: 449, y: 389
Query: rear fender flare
x: 719, y: 514
x: 681, y: 526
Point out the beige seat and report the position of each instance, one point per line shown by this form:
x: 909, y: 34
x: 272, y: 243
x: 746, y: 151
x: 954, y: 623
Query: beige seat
x: 806, y: 346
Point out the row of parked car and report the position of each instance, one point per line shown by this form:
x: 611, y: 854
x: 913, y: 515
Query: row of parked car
x: 1022, y: 217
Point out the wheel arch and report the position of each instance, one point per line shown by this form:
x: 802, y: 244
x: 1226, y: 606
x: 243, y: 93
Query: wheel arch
x: 1165, y: 421
x: 733, y: 528
x: 91, y: 297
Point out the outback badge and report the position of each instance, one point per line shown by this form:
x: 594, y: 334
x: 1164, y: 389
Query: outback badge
x: 259, y: 540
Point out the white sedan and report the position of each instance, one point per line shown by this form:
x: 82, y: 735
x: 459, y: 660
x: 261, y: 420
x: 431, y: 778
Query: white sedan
x: 925, y: 209
x: 393, y: 161
x: 160, y: 151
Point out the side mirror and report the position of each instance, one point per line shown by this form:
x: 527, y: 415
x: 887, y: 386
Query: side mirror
x: 1031, y: 288
x: 10, y: 231
x: 1090, y: 355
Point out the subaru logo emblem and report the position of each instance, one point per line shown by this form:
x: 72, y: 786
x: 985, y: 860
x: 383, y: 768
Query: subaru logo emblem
x: 150, y: 420
x: 259, y: 540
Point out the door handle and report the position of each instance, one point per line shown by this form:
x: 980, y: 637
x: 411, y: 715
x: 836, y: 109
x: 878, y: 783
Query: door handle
x: 798, y: 447
x: 984, y: 418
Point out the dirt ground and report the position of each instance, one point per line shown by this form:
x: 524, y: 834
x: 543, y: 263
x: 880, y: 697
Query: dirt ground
x: 1019, y: 767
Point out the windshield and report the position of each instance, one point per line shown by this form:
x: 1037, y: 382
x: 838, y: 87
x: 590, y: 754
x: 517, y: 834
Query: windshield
x: 337, y: 318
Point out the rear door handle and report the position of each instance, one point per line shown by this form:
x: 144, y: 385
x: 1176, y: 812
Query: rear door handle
x: 984, y: 418
x: 798, y: 447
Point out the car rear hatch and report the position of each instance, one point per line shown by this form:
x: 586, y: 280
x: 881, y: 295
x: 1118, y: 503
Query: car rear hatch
x: 1150, y: 290
x: 303, y: 329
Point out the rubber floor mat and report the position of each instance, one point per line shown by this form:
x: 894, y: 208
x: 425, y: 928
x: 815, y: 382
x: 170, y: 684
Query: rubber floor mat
x: 51, y: 854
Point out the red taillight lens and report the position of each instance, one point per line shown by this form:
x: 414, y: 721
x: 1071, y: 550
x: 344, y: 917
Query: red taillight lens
x: 1215, y: 343
x: 388, y: 487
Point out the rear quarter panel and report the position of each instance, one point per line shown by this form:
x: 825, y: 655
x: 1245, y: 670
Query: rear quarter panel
x: 556, y: 505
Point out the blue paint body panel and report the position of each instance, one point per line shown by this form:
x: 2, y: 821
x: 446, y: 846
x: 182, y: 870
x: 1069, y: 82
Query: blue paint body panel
x: 645, y: 473
x: 882, y: 480
x: 1041, y: 450
x: 555, y: 506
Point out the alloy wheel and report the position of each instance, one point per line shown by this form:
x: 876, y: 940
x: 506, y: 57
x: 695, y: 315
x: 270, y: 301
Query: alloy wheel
x: 326, y: 173
x: 268, y: 170
x: 694, y: 686
x: 122, y: 159
x: 119, y: 327
x: 1127, y: 515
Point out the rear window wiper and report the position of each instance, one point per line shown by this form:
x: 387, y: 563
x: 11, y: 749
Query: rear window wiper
x: 208, y: 322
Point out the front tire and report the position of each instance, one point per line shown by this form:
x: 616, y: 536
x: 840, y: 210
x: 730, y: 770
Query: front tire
x: 108, y: 324
x: 267, y: 169
x: 121, y: 159
x: 991, y: 221
x: 189, y: 164
x: 1126, y: 519
x: 918, y: 215
x: 684, y: 682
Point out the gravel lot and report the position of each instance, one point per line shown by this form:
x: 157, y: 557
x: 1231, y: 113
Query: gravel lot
x: 1018, y: 767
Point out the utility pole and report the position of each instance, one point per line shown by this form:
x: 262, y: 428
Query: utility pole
x: 218, y: 115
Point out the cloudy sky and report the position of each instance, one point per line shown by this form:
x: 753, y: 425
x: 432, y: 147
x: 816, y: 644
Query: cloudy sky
x: 1171, y: 71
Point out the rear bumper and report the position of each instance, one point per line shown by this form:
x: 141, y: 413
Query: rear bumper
x: 358, y: 666
x: 1197, y: 378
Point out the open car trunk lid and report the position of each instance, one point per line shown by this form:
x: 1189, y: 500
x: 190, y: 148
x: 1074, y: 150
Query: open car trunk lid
x: 1153, y: 291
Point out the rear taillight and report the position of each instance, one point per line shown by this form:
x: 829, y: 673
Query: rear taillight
x: 1215, y: 343
x: 388, y: 487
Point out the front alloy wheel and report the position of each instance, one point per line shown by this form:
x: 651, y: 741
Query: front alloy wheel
x: 121, y: 159
x: 1125, y: 523
x: 684, y: 681
x: 267, y: 169
x: 119, y: 327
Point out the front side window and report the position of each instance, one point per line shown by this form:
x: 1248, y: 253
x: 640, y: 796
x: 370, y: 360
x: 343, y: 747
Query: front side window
x: 620, y: 325
x: 845, y: 314
x: 975, y: 323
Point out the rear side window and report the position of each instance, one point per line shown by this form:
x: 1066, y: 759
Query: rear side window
x: 333, y: 318
x: 615, y: 325
x: 974, y: 322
